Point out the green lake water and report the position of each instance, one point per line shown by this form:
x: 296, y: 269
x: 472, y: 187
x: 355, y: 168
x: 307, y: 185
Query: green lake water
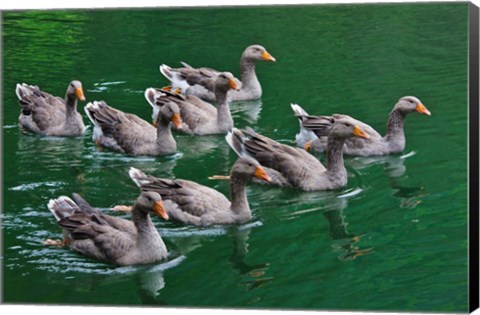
x: 395, y: 238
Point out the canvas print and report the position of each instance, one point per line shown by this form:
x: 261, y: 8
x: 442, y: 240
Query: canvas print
x: 303, y: 157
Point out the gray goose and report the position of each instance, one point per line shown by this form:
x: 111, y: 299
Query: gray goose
x: 191, y: 203
x: 128, y: 133
x: 294, y: 167
x: 190, y: 80
x: 392, y: 142
x: 113, y: 240
x: 198, y: 116
x: 48, y: 115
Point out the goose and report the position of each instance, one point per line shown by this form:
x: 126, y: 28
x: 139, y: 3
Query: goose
x: 294, y: 167
x: 393, y: 142
x: 198, y: 116
x: 192, y: 203
x: 48, y: 115
x: 128, y: 133
x: 109, y: 239
x: 190, y: 80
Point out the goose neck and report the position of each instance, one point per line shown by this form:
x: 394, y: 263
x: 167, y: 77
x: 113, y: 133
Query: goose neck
x: 224, y: 117
x: 248, y: 74
x: 142, y: 221
x: 165, y: 138
x: 163, y: 129
x: 148, y: 239
x: 71, y: 105
x: 238, y: 195
x: 395, y: 126
x: 336, y: 164
x: 221, y: 97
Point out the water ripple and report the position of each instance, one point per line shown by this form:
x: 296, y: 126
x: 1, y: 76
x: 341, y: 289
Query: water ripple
x: 32, y: 186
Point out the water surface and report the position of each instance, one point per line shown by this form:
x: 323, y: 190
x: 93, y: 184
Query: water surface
x: 394, y: 239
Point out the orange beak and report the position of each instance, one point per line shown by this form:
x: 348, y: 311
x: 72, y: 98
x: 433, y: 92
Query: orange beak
x: 307, y: 146
x: 423, y: 110
x: 358, y: 132
x: 155, y: 123
x: 177, y: 121
x: 79, y: 94
x: 233, y: 85
x: 262, y: 174
x: 267, y: 56
x: 159, y: 210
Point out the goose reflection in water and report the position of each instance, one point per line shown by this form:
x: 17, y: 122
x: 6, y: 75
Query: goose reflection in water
x: 246, y: 112
x: 345, y: 241
x: 330, y: 204
x: 394, y: 164
x: 149, y: 279
x: 187, y: 239
x: 410, y: 196
x: 200, y: 148
x: 395, y: 170
x: 57, y: 151
x: 52, y: 154
x: 253, y: 275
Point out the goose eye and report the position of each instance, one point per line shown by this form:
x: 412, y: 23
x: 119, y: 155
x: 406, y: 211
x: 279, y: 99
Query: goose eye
x: 347, y: 124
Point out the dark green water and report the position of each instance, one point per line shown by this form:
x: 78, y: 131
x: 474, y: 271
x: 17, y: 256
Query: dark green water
x: 394, y: 239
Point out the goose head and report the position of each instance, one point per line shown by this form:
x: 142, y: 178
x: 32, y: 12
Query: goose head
x: 226, y: 81
x: 75, y: 90
x: 346, y: 127
x: 247, y: 168
x: 410, y: 104
x: 167, y: 113
x: 257, y: 53
x: 150, y: 201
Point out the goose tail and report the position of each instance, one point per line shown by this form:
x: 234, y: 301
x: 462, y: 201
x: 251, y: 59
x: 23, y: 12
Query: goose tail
x: 235, y: 139
x: 62, y: 207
